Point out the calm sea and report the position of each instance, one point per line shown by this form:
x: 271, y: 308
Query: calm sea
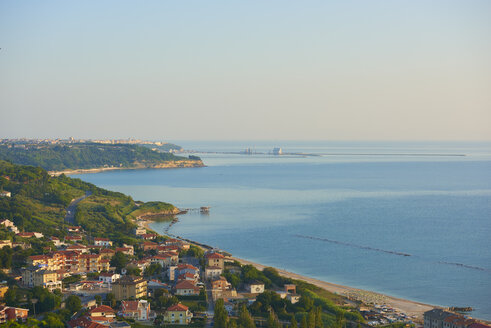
x: 350, y: 215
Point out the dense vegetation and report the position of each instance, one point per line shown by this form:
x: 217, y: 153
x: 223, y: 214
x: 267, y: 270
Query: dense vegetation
x: 39, y: 201
x: 85, y: 156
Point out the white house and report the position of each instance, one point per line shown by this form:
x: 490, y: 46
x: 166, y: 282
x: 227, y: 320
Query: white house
x: 255, y: 288
x: 213, y: 272
x: 102, y: 242
x: 137, y: 310
x: 186, y: 288
x: 108, y: 278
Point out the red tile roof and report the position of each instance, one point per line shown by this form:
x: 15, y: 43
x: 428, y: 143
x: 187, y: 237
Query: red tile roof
x: 178, y: 307
x: 186, y: 266
x: 102, y: 308
x: 214, y: 256
x: 129, y: 306
x: 186, y: 284
x: 479, y: 325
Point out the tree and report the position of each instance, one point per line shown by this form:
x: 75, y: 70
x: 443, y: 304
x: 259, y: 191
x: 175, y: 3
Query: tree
x: 152, y: 269
x: 73, y: 303
x: 311, y: 319
x: 273, y: 320
x: 10, y: 296
x: 133, y: 270
x: 293, y: 323
x: 304, y: 322
x: 53, y: 321
x: 318, y: 317
x: 245, y: 319
x: 6, y: 257
x: 111, y: 299
x: 221, y: 316
x: 119, y: 261
x: 98, y: 299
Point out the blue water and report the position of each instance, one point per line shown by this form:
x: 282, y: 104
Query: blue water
x: 362, y: 210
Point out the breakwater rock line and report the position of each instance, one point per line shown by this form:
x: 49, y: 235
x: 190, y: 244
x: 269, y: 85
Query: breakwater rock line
x: 353, y: 245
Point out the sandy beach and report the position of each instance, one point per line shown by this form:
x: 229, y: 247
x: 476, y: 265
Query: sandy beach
x: 413, y: 309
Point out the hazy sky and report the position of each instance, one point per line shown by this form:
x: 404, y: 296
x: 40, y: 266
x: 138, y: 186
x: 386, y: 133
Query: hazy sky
x: 167, y: 70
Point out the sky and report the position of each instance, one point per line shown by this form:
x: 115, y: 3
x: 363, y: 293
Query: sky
x: 246, y: 70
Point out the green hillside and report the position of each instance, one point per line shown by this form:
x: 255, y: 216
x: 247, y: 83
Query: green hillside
x: 38, y: 203
x: 90, y: 156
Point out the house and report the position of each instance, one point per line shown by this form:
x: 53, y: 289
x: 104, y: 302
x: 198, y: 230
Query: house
x: 102, y: 314
x: 457, y: 321
x: 9, y: 313
x: 30, y: 234
x: 172, y: 273
x: 213, y: 272
x: 102, y: 242
x: 140, y: 231
x: 4, y: 193
x: 107, y: 253
x: 176, y: 242
x: 55, y: 241
x: 188, y: 268
x: 85, y: 322
x: 255, y: 288
x: 88, y: 302
x: 6, y: 242
x: 148, y: 236
x: 148, y: 245
x: 128, y: 287
x: 74, y: 238
x: 153, y: 285
x: 78, y: 248
x: 7, y: 223
x: 290, y: 293
x: 74, y: 229
x: 93, y: 263
x: 140, y: 264
x: 215, y: 259
x: 108, y: 278
x: 178, y: 314
x: 35, y: 276
x: 435, y: 317
x: 165, y: 249
x: 188, y: 276
x: 126, y: 250
x: 186, y: 288
x: 220, y: 284
x: 165, y: 260
x: 137, y: 310
x: 3, y: 290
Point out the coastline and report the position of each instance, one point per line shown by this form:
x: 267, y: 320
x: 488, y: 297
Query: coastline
x: 413, y: 309
x: 167, y: 165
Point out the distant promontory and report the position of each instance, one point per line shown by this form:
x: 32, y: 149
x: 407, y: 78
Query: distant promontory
x: 86, y: 157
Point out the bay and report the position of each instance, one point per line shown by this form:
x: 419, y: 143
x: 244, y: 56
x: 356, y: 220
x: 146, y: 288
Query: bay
x: 346, y: 216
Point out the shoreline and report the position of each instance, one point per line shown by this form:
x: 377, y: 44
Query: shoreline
x: 170, y: 165
x: 413, y: 309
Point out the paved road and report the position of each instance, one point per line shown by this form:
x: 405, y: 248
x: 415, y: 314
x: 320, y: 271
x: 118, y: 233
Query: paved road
x: 70, y: 210
x: 211, y: 308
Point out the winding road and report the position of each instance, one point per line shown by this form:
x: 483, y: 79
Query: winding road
x: 70, y: 210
